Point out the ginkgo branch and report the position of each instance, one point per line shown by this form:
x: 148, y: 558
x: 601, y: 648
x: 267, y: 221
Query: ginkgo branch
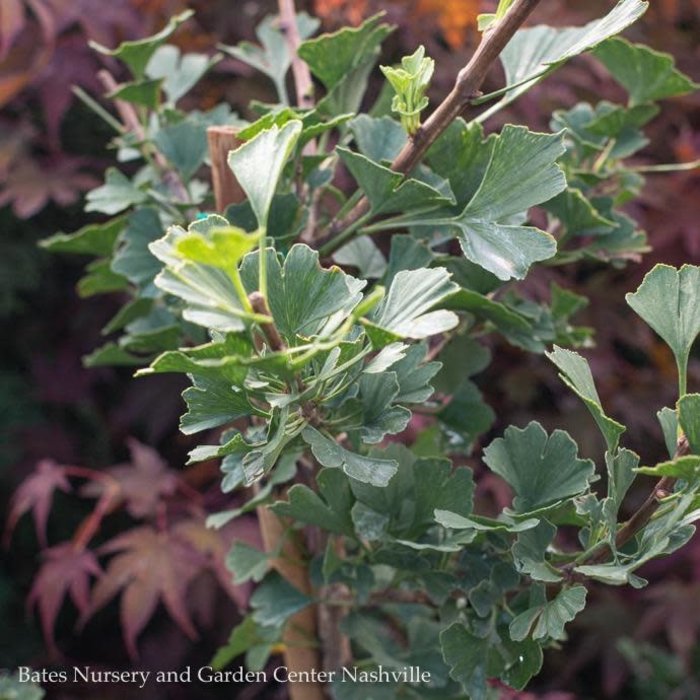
x: 302, y: 76
x: 465, y: 89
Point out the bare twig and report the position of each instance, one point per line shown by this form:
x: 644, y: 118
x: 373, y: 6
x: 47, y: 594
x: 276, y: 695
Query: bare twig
x: 302, y: 77
x: 466, y: 88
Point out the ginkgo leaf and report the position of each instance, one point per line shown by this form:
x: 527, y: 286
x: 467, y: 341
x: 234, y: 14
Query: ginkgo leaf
x: 534, y: 51
x: 149, y: 566
x: 272, y: 57
x: 329, y: 509
x: 329, y: 453
x: 275, y: 601
x: 136, y: 54
x: 212, y: 401
x: 258, y: 163
x: 513, y: 172
x: 378, y: 394
x: 669, y: 301
x: 689, y: 419
x: 647, y: 75
x: 332, y: 56
x: 223, y: 247
x: 529, y: 553
x: 117, y: 194
x: 247, y: 563
x: 343, y: 61
x: 474, y: 659
x: 546, y: 619
x: 304, y: 298
x: 93, y: 239
x: 389, y: 191
x: 66, y: 571
x: 35, y: 494
x: 420, y: 486
x: 576, y: 374
x: 179, y: 72
x: 542, y: 469
x: 406, y: 310
x: 212, y: 297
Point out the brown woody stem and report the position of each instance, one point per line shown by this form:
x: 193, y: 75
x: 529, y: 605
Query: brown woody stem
x: 222, y: 140
x: 299, y: 637
x: 301, y: 651
x: 302, y: 77
x: 465, y: 89
x: 259, y: 304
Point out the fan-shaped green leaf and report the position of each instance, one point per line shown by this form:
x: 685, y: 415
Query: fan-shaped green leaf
x: 137, y: 54
x: 647, y: 75
x: 669, y: 301
x: 576, y: 374
x: 258, y: 164
x: 547, y: 619
x: 329, y: 453
x: 535, y: 51
x: 542, y: 469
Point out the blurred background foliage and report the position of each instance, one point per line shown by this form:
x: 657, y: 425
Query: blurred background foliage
x: 631, y: 644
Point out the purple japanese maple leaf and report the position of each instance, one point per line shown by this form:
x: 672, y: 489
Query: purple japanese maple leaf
x: 149, y: 566
x: 143, y: 482
x: 35, y: 494
x: 65, y: 571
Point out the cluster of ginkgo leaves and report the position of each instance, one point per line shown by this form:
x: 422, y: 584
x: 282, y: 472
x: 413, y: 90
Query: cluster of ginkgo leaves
x: 305, y: 369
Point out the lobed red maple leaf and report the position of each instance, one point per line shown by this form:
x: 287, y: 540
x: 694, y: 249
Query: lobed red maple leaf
x: 35, y: 494
x: 143, y: 482
x: 65, y: 571
x: 149, y: 566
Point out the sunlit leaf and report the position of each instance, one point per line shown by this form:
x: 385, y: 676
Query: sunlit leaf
x: 258, y: 163
x: 534, y: 51
x: 406, y: 311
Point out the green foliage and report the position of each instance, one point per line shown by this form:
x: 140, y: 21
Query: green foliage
x: 136, y: 54
x: 534, y: 52
x: 647, y: 75
x: 17, y: 688
x: 311, y: 369
x: 668, y: 301
x: 410, y: 83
